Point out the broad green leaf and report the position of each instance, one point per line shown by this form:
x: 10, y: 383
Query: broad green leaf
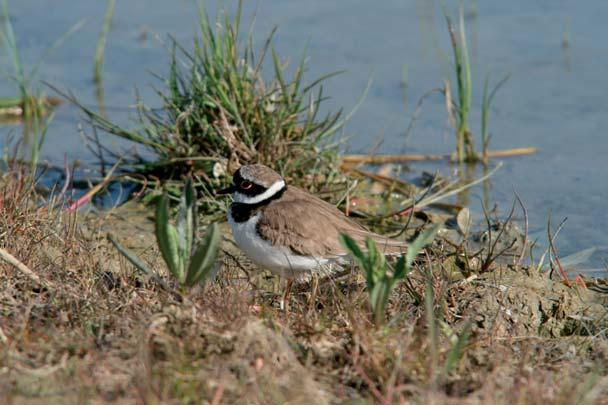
x: 379, y: 299
x: 419, y: 243
x: 204, y: 257
x: 374, y: 296
x: 358, y: 256
x: 401, y: 269
x: 175, y: 253
x: 166, y: 236
x: 371, y: 260
x: 192, y: 206
x: 185, y: 222
x: 376, y: 260
x: 352, y: 248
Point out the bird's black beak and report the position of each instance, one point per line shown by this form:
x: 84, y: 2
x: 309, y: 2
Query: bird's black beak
x: 228, y: 190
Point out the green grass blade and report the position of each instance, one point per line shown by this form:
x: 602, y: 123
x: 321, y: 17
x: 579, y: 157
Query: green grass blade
x: 485, y: 108
x: 401, y: 269
x: 419, y: 243
x: 360, y: 258
x: 264, y: 50
x: 467, y: 68
x: 351, y: 247
x: 456, y: 350
x: 204, y: 257
x: 130, y: 256
x: 191, y: 203
x: 185, y: 222
x: 376, y: 262
x: 104, y: 124
x: 101, y: 42
x: 326, y: 77
x: 378, y: 298
x: 166, y: 237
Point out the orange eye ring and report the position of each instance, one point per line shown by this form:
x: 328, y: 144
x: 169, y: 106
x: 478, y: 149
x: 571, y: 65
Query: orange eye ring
x: 246, y: 185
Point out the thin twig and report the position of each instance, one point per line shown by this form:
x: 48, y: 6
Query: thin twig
x: 418, y: 109
x: 554, y: 254
x: 490, y: 258
x: 12, y: 260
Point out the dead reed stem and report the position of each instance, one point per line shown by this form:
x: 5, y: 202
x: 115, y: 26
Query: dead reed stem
x: 375, y: 160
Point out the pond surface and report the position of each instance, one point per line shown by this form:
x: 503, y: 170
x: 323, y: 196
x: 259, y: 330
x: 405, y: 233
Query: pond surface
x: 556, y: 98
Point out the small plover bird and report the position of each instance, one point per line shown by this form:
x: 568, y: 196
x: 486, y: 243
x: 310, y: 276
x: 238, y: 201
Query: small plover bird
x: 289, y: 231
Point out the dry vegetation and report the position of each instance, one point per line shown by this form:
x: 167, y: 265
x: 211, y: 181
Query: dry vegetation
x: 100, y: 331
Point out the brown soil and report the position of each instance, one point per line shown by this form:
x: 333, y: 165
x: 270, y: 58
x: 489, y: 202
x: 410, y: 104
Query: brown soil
x: 104, y: 332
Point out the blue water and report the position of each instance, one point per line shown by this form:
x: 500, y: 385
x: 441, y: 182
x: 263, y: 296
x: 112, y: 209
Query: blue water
x: 555, y: 100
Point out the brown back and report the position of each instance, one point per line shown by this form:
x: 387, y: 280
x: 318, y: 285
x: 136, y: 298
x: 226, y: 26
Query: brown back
x: 310, y: 226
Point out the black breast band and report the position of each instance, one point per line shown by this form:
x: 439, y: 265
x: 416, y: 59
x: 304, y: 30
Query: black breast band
x: 241, y: 212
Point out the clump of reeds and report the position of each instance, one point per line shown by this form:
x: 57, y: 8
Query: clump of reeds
x: 219, y: 112
x: 460, y: 107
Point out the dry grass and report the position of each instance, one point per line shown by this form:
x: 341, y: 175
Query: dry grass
x: 103, y: 332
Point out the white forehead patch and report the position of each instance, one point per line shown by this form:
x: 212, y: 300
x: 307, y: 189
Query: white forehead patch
x: 254, y: 199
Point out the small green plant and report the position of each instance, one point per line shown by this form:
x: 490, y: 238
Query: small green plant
x: 190, y: 262
x: 187, y: 259
x: 380, y: 277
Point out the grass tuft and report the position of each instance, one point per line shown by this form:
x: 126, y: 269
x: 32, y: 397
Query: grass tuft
x: 465, y: 147
x: 219, y: 113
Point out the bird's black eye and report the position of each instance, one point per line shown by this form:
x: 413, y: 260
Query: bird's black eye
x: 246, y: 185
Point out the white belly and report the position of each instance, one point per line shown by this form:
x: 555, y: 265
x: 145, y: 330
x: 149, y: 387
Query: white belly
x: 279, y: 260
